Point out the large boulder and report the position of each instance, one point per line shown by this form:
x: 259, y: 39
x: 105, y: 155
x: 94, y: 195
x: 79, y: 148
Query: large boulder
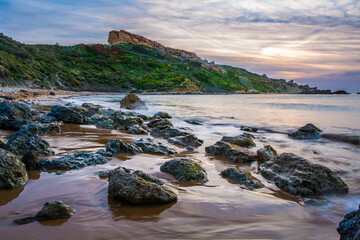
x: 232, y: 152
x: 117, y: 146
x: 15, y: 110
x: 129, y: 186
x: 185, y: 170
x: 309, y: 131
x: 187, y: 141
x: 67, y: 115
x: 73, y: 161
x: 349, y: 227
x: 12, y: 171
x: 131, y: 101
x: 13, y: 124
x: 150, y: 145
x: 301, y: 177
x: 242, y: 176
x: 266, y: 153
x: 243, y: 140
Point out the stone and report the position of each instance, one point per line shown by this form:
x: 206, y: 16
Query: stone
x: 73, y: 161
x: 15, y: 110
x: 232, y: 152
x: 52, y: 93
x: 54, y: 210
x: 150, y: 145
x: 117, y: 146
x: 249, y: 129
x: 162, y: 115
x: 242, y: 176
x: 349, y: 227
x: 167, y: 132
x: 126, y: 185
x: 243, y: 140
x: 309, y: 131
x: 89, y: 112
x: 265, y: 154
x: 132, y: 101
x: 67, y: 115
x: 125, y: 122
x: 13, y: 124
x: 189, y: 140
x: 159, y: 123
x: 185, y: 170
x: 48, y: 128
x: 104, y: 153
x: 136, y: 129
x: 3, y: 142
x: 193, y: 122
x: 12, y: 171
x: 301, y: 177
x: 47, y: 118
x: 31, y: 161
x: 102, y: 121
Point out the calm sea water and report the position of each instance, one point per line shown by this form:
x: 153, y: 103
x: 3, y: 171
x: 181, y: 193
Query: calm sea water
x: 217, y: 210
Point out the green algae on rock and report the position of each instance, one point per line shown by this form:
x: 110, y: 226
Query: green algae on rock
x: 12, y: 171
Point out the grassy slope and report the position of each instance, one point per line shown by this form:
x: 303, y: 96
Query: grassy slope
x: 124, y: 65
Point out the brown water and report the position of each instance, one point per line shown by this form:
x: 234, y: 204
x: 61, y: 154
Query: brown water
x: 218, y: 209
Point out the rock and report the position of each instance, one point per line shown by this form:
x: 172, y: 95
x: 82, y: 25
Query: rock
x: 47, y: 118
x: 241, y: 140
x: 13, y: 124
x: 73, y: 161
x: 117, y: 146
x: 349, y: 227
x: 300, y: 177
x: 150, y: 145
x: 52, y: 93
x: 104, y: 174
x: 249, y: 129
x: 265, y: 154
x: 309, y: 131
x: 104, y: 153
x: 89, y: 112
x: 27, y: 139
x: 124, y: 122
x: 167, y: 132
x: 125, y: 185
x: 193, y: 122
x: 15, y: 110
x: 352, y: 139
x: 31, y: 161
x: 67, y: 115
x: 242, y: 176
x: 148, y: 177
x: 159, y: 123
x: 12, y: 171
x: 131, y: 101
x: 162, y: 115
x: 54, y: 210
x: 136, y: 129
x: 102, y: 121
x: 45, y: 128
x: 189, y: 140
x: 232, y: 152
x: 185, y: 170
x: 340, y: 92
x: 3, y: 142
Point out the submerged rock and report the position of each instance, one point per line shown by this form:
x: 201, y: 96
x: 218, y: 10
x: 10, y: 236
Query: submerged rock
x: 232, y: 152
x: 31, y: 161
x: 349, y: 227
x: 162, y: 115
x: 309, y: 131
x: 352, y: 139
x: 243, y: 140
x: 73, y: 161
x: 193, y: 122
x: 67, y: 115
x: 187, y: 141
x: 126, y: 185
x: 185, y: 170
x: 117, y: 146
x: 13, y: 110
x: 265, y: 154
x: 249, y: 129
x: 12, y: 171
x: 242, y: 176
x: 150, y: 145
x: 131, y: 101
x: 300, y: 177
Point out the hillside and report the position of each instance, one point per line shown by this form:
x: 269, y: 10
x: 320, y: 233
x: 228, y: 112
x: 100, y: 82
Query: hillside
x: 124, y: 67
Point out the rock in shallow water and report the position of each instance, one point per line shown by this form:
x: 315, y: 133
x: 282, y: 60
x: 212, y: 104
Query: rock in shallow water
x: 31, y: 161
x: 243, y: 140
x: 185, y: 170
x: 162, y: 115
x: 13, y: 124
x: 13, y: 110
x: 309, y: 131
x: 349, y: 227
x: 242, y: 176
x: 189, y: 140
x: 129, y: 186
x: 117, y: 146
x: 166, y: 132
x: 266, y: 153
x: 3, y: 142
x: 150, y: 145
x: 12, y: 171
x: 232, y: 152
x: 131, y: 101
x: 300, y: 177
x: 67, y: 115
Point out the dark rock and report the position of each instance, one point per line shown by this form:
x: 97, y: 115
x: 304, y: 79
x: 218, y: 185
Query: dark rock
x: 52, y: 93
x: 45, y: 128
x: 89, y: 112
x: 102, y: 121
x: 117, y: 146
x: 241, y: 140
x: 136, y: 129
x: 309, y: 131
x: 249, y: 129
x: 162, y: 115
x: 150, y: 145
x: 352, y: 139
x: 148, y: 177
x: 193, y: 122
x: 300, y: 177
x: 125, y: 185
x: 242, y: 176
x: 12, y: 171
x: 3, y: 142
x: 15, y: 110
x: 13, y: 124
x: 7, y: 97
x: 54, y: 210
x: 189, y: 140
x: 185, y: 170
x: 125, y: 122
x: 104, y: 153
x: 31, y: 161
x: 104, y: 174
x: 167, y: 132
x: 159, y: 123
x: 340, y: 92
x: 265, y: 154
x: 47, y: 118
x: 67, y: 115
x: 73, y: 161
x: 232, y: 152
x: 131, y: 101
x: 349, y: 227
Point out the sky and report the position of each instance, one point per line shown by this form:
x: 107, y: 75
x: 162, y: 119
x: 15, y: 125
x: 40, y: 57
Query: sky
x: 312, y: 42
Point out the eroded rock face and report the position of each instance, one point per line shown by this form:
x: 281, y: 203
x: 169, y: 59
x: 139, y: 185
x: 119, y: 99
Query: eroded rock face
x: 349, y: 227
x: 131, y: 101
x: 188, y: 141
x: 185, y: 170
x: 67, y: 115
x: 150, y: 145
x: 54, y: 210
x: 13, y: 110
x: 73, y: 161
x: 232, y: 152
x: 126, y: 185
x: 300, y: 177
x: 266, y: 153
x: 241, y: 140
x: 242, y: 176
x: 117, y: 146
x: 12, y: 171
x: 309, y: 131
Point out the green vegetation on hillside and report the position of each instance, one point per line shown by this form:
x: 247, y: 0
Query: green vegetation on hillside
x: 126, y: 66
